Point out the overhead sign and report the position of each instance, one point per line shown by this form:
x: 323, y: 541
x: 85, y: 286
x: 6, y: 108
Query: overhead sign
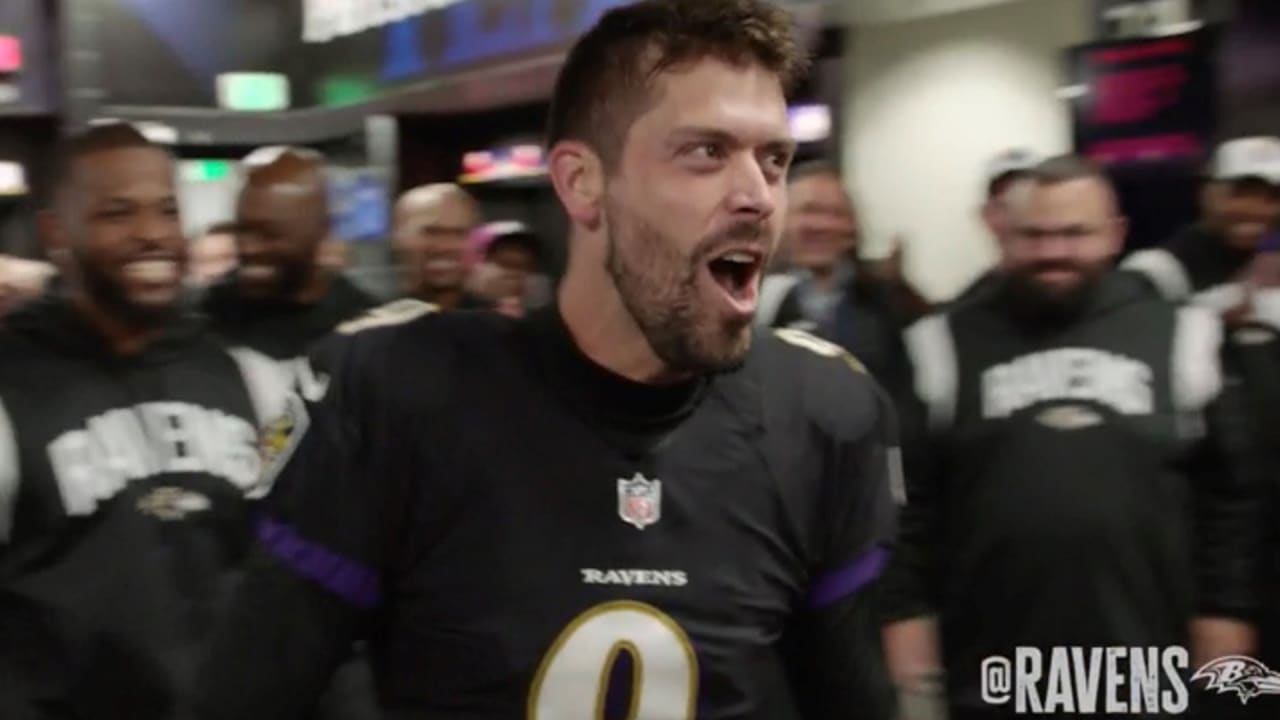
x: 10, y: 54
x: 26, y: 86
x: 520, y: 161
x: 809, y: 123
x: 13, y: 179
x: 206, y: 170
x: 359, y: 203
x: 1139, y: 18
x: 1143, y: 100
x: 324, y: 20
x: 248, y: 91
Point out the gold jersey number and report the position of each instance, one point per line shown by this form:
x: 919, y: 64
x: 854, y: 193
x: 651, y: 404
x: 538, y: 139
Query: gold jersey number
x: 573, y: 678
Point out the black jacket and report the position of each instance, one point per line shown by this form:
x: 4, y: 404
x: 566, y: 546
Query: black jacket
x: 123, y: 511
x: 1252, y: 351
x: 281, y: 330
x: 1089, y: 486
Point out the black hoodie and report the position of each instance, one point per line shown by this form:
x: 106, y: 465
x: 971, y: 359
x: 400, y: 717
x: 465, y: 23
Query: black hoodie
x: 1196, y: 264
x: 123, y: 512
x: 1084, y: 485
x: 282, y: 330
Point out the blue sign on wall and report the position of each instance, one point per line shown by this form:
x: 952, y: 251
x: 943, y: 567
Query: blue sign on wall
x: 360, y: 205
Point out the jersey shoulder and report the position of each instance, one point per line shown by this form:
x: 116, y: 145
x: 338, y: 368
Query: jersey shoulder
x: 410, y: 343
x: 823, y: 382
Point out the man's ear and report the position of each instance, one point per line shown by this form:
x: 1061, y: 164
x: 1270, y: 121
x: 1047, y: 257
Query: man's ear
x: 987, y: 213
x: 53, y: 235
x: 577, y: 174
x: 1119, y: 235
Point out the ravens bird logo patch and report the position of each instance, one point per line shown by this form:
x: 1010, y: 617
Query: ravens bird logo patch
x: 1246, y: 677
x: 173, y: 503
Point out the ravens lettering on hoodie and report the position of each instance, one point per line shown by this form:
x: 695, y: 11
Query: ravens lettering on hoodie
x: 1089, y: 486
x: 123, y: 508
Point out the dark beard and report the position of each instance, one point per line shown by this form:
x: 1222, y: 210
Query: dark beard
x: 290, y: 279
x: 293, y: 278
x: 1036, y: 307
x: 105, y: 293
x: 659, y: 288
x: 664, y: 316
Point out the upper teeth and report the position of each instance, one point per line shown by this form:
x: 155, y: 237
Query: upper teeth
x: 739, y: 257
x: 152, y: 270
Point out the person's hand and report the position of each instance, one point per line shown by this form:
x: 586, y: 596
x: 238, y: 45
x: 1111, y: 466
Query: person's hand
x: 1214, y: 637
x: 889, y: 268
x: 1264, y: 270
x: 510, y: 306
x: 21, y: 280
x: 1262, y: 274
x: 486, y: 280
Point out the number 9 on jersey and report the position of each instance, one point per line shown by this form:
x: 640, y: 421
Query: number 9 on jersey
x: 573, y: 680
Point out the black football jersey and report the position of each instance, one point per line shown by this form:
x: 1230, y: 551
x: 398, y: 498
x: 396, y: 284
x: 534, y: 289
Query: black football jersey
x: 522, y: 534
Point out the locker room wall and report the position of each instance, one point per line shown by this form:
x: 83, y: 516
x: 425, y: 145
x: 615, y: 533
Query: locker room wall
x: 929, y: 102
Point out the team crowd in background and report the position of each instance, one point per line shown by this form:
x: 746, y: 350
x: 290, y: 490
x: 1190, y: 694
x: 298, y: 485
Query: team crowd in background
x: 724, y: 467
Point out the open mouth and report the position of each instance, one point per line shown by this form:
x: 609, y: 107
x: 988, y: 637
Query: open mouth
x: 737, y: 272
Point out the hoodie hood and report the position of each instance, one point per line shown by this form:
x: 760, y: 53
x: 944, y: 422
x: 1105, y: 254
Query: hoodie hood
x: 53, y: 322
x: 224, y: 304
x: 1113, y: 291
x: 1206, y: 257
x: 280, y: 330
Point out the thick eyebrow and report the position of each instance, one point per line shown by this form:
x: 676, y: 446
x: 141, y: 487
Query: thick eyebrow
x: 694, y: 133
x: 118, y: 200
x: 812, y: 205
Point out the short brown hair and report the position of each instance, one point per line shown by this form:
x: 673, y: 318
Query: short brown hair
x: 1066, y: 168
x: 607, y: 76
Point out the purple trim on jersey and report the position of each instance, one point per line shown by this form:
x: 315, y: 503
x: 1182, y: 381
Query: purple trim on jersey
x: 342, y: 576
x: 841, y: 583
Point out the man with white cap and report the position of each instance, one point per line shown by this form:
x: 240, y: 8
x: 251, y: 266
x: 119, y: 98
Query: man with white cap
x: 1004, y: 173
x: 508, y: 270
x: 1241, y: 204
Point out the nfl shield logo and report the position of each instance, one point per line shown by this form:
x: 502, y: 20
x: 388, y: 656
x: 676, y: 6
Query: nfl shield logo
x: 639, y: 501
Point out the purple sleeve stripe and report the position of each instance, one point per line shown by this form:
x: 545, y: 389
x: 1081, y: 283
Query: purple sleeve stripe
x: 342, y: 576
x: 841, y: 583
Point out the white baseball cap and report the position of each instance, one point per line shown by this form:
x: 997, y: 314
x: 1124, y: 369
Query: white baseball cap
x: 1014, y: 160
x: 1251, y: 157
